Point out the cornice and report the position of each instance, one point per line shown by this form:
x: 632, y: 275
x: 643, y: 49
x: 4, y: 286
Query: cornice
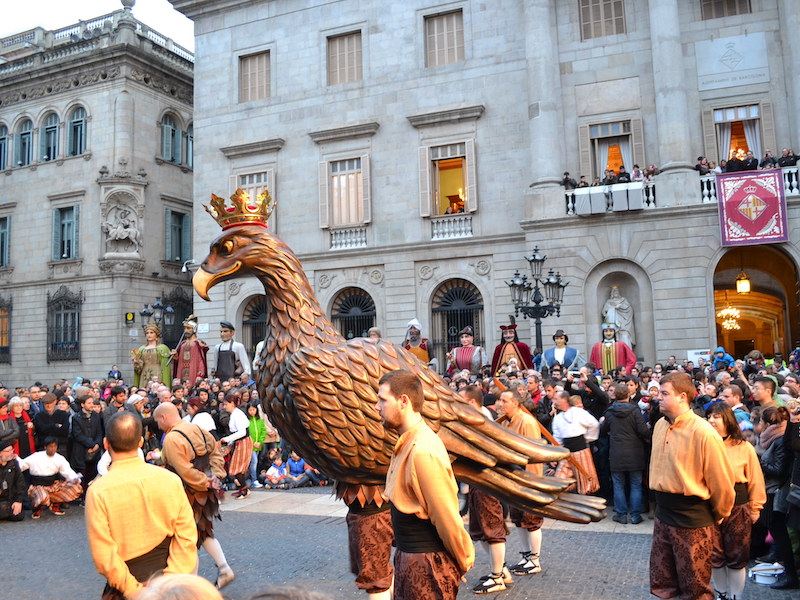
x: 450, y: 115
x: 345, y: 133
x: 252, y: 148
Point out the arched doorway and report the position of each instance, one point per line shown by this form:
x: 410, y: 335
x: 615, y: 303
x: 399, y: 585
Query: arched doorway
x: 254, y: 323
x: 456, y: 303
x: 769, y: 316
x: 353, y: 312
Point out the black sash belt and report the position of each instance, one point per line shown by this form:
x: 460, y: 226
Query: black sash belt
x: 741, y: 494
x: 688, y: 512
x: 575, y: 444
x: 413, y: 535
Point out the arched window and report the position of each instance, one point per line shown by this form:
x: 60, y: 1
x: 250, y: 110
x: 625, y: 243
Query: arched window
x: 254, y: 323
x: 76, y: 135
x: 353, y: 312
x: 48, y: 138
x: 23, y: 144
x: 456, y: 304
x: 170, y: 139
x: 3, y: 147
x: 190, y: 145
x: 181, y: 303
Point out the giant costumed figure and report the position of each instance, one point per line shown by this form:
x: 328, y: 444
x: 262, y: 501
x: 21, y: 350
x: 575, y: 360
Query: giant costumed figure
x: 611, y: 354
x: 320, y: 390
x: 510, y: 347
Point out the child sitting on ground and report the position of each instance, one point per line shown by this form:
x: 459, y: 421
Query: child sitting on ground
x: 275, y: 476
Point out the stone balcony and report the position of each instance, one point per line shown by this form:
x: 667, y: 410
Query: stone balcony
x: 623, y: 197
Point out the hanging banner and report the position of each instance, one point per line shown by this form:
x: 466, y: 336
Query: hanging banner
x: 752, y: 207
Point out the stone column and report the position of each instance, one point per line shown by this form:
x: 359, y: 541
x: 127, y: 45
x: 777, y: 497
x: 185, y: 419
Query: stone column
x: 677, y: 183
x: 545, y: 118
x: 789, y: 18
x: 124, y: 124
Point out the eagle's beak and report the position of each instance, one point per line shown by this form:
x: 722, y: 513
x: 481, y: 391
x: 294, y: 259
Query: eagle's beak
x: 204, y: 281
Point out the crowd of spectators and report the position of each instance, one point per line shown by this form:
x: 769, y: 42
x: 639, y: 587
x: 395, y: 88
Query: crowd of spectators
x: 746, y: 162
x: 611, y: 177
x: 65, y: 423
x: 762, y: 392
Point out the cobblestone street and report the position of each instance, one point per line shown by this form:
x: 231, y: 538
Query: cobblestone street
x: 279, y: 537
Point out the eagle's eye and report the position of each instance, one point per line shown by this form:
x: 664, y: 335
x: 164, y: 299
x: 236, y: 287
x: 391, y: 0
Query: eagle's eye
x: 227, y: 247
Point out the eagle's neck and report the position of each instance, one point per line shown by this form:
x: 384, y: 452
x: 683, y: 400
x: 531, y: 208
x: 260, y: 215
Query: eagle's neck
x: 295, y: 319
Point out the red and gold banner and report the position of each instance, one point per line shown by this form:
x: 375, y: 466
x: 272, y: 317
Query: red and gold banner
x: 752, y: 207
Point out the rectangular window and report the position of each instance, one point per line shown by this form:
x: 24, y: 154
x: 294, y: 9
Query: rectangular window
x: 5, y: 334
x: 178, y: 235
x: 64, y: 327
x: 254, y: 74
x: 444, y: 39
x: 344, y: 58
x: 600, y: 18
x: 738, y: 131
x: 66, y: 223
x: 447, y: 179
x: 345, y: 193
x: 4, y: 241
x: 715, y: 9
x: 610, y: 145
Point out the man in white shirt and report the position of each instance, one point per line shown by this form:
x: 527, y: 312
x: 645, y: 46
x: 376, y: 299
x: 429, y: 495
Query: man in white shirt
x: 230, y: 356
x: 52, y: 479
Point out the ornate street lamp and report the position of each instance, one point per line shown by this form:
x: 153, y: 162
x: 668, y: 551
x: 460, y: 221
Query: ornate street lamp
x: 523, y: 293
x: 157, y: 313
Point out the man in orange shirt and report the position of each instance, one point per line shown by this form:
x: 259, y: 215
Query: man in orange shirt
x: 433, y: 548
x: 693, y: 483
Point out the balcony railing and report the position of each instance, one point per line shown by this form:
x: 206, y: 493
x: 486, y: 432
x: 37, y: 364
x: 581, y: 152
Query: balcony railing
x: 619, y: 197
x: 708, y: 185
x: 450, y: 227
x: 354, y: 237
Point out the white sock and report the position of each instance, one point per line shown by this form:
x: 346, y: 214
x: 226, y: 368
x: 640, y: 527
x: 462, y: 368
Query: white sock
x: 719, y: 579
x: 497, y: 553
x: 384, y: 595
x: 536, y: 542
x: 524, y: 539
x: 214, y: 550
x: 736, y: 580
x: 487, y: 548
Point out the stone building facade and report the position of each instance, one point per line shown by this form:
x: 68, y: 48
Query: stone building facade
x: 416, y: 148
x: 96, y: 194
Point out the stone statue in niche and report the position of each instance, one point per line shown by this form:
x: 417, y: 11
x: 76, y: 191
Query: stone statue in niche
x: 618, y: 310
x: 122, y: 232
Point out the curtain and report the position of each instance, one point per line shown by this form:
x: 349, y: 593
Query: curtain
x: 625, y: 149
x: 724, y: 141
x: 752, y: 136
x: 602, y: 157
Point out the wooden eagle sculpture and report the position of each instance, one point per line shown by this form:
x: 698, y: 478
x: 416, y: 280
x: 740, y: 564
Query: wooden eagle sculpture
x: 320, y: 390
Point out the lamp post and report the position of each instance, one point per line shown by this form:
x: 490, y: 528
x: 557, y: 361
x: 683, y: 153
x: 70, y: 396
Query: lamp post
x: 157, y: 313
x: 523, y: 293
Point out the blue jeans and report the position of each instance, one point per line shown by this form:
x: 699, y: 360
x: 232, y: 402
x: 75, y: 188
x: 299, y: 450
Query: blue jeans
x: 618, y: 478
x: 252, y: 470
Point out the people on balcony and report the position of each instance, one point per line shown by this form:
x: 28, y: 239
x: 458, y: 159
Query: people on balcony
x: 788, y: 158
x: 623, y: 176
x: 702, y: 166
x: 568, y: 182
x: 769, y: 161
x: 582, y: 183
x: 750, y: 162
x: 610, y: 177
x: 637, y: 174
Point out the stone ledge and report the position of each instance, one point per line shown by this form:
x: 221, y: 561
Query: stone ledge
x: 450, y: 115
x: 251, y: 148
x: 345, y: 133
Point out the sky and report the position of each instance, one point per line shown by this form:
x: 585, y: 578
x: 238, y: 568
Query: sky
x: 54, y: 14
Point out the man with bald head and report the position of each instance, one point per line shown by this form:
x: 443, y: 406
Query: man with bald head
x: 192, y: 453
x: 138, y: 520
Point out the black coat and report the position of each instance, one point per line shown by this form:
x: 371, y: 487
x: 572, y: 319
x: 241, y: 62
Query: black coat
x: 629, y: 436
x: 55, y: 425
x: 87, y: 431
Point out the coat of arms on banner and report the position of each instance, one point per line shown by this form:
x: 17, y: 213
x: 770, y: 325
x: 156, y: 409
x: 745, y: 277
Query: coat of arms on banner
x: 752, y: 207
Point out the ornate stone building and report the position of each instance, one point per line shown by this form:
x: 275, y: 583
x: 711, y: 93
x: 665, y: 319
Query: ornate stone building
x: 416, y: 148
x: 96, y: 196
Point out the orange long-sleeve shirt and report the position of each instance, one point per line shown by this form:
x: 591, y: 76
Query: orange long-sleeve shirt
x: 689, y: 458
x: 420, y: 482
x: 746, y: 469
x: 129, y: 512
x: 524, y: 424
